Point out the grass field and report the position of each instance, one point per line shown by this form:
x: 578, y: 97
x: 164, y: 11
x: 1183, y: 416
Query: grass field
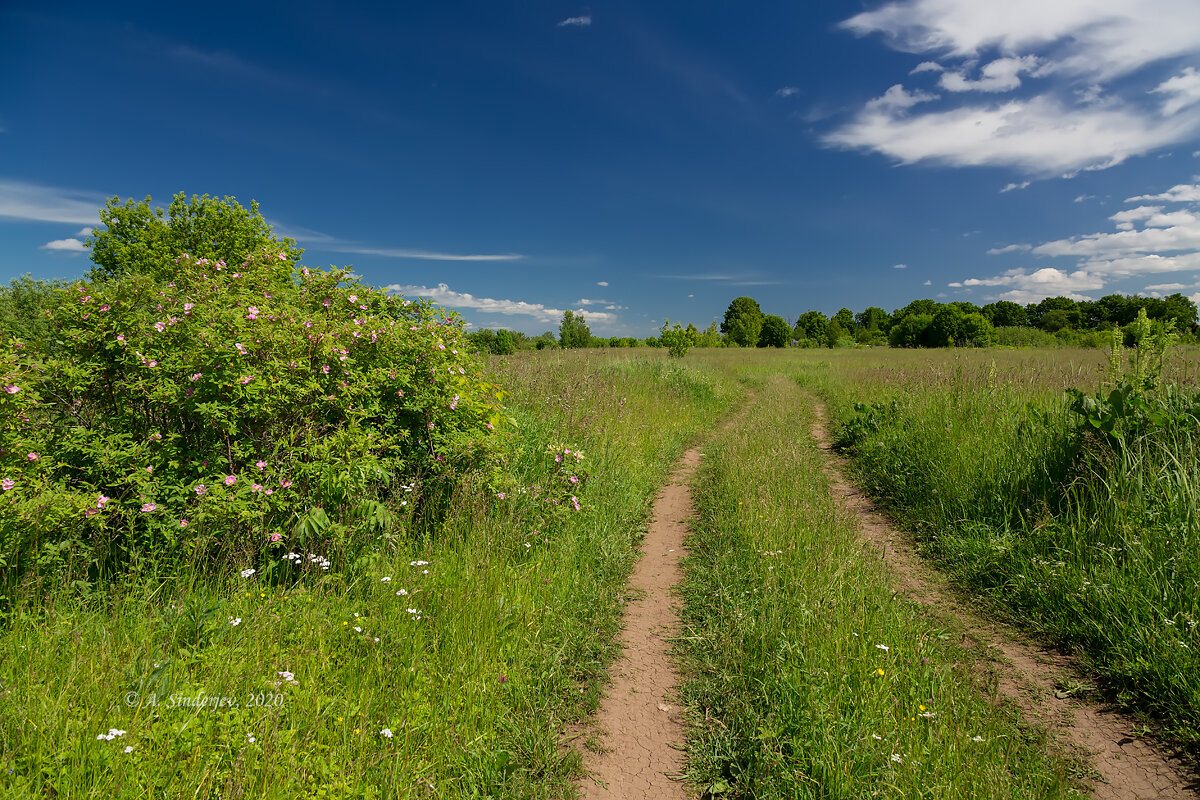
x: 447, y: 666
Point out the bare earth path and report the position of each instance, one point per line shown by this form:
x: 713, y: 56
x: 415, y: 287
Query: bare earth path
x: 639, y: 722
x: 1127, y: 766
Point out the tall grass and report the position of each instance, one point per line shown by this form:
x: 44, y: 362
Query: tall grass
x: 807, y: 677
x: 443, y: 667
x: 1097, y: 548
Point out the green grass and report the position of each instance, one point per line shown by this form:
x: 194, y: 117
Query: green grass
x: 807, y: 677
x: 513, y: 627
x: 1097, y: 550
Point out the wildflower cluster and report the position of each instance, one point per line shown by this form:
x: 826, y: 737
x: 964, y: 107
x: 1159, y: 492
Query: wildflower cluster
x: 162, y: 412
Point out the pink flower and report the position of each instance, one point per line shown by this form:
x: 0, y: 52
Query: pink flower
x: 275, y: 537
x: 575, y: 502
x: 501, y: 495
x: 160, y: 326
x: 261, y: 465
x: 33, y: 456
x: 91, y: 512
x: 269, y: 492
x: 187, y: 307
x: 12, y: 388
x: 7, y: 484
x: 152, y: 364
x: 353, y: 298
x: 230, y: 480
x: 254, y: 487
x: 183, y: 523
x: 431, y: 426
x: 239, y: 347
x: 489, y: 426
x: 325, y: 369
x: 120, y: 337
x: 399, y: 393
x: 102, y: 501
x: 149, y: 470
x: 201, y: 489
x: 195, y: 376
x: 285, y: 483
x: 105, y: 307
x: 573, y: 479
x: 246, y: 379
x: 282, y: 256
x: 148, y: 507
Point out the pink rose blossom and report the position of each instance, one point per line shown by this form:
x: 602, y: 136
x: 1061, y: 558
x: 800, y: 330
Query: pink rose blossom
x: 230, y: 480
x: 7, y: 484
x: 148, y: 507
x: 12, y: 388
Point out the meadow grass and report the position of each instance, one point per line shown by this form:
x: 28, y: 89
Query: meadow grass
x: 438, y: 667
x: 804, y: 674
x: 1096, y: 548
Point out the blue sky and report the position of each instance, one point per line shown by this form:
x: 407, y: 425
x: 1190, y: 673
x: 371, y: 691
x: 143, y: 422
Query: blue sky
x: 630, y: 160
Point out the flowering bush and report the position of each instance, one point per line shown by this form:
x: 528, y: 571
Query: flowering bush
x: 218, y: 406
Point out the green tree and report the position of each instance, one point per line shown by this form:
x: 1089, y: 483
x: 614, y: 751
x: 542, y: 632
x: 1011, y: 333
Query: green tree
x: 1006, y: 314
x: 573, y: 331
x: 137, y: 239
x: 873, y: 319
x: 812, y: 325
x: 675, y: 339
x: 910, y: 331
x: 743, y: 322
x: 775, y: 332
x: 845, y: 318
x: 709, y: 337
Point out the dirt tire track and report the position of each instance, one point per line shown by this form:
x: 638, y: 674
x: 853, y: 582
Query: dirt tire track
x: 1127, y: 766
x: 640, y: 724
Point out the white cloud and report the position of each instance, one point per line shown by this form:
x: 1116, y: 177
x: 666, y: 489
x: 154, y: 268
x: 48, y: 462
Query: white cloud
x: 1181, y: 193
x: 899, y: 266
x: 927, y: 283
x: 1169, y: 287
x: 1009, y: 248
x: 1015, y: 186
x: 582, y: 21
x: 1106, y: 38
x: 86, y: 232
x: 1029, y: 287
x: 1001, y: 75
x: 1074, y: 117
x: 1039, y: 135
x: 1082, y: 197
x: 691, y: 296
x: 1148, y: 240
x: 65, y: 245
x: 31, y: 201
x: 602, y: 283
x: 897, y: 99
x: 787, y: 91
x: 1181, y: 91
x: 443, y: 295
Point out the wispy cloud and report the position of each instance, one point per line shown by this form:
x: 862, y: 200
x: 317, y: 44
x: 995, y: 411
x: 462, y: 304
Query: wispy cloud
x: 899, y: 266
x: 787, y: 91
x: 602, y: 283
x: 34, y: 202
x: 332, y: 244
x: 443, y: 295
x: 1050, y: 70
x: 582, y: 21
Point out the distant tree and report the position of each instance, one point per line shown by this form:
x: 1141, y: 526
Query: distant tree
x: 873, y: 319
x: 926, y: 306
x: 743, y: 322
x: 977, y: 331
x: 139, y: 240
x: 812, y: 325
x: 546, y: 341
x: 845, y: 318
x: 1006, y: 314
x: 946, y: 327
x: 709, y: 337
x: 693, y: 335
x: 1054, y: 320
x: 23, y: 306
x: 674, y: 338
x: 910, y: 330
x: 1071, y: 315
x: 573, y: 331
x: 1181, y: 309
x: 775, y: 332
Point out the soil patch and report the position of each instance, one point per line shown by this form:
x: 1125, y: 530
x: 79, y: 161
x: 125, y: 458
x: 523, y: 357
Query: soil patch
x: 636, y: 749
x: 1032, y: 677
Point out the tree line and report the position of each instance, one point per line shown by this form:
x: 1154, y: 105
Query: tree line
x: 921, y: 323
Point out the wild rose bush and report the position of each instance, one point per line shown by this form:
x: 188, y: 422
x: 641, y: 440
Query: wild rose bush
x: 229, y: 408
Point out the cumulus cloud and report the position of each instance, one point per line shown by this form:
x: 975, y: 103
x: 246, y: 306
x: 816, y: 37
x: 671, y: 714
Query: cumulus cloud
x: 582, y: 21
x: 602, y: 283
x: 65, y: 246
x: 1147, y: 240
x: 787, y: 91
x: 443, y: 295
x: 1071, y: 114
